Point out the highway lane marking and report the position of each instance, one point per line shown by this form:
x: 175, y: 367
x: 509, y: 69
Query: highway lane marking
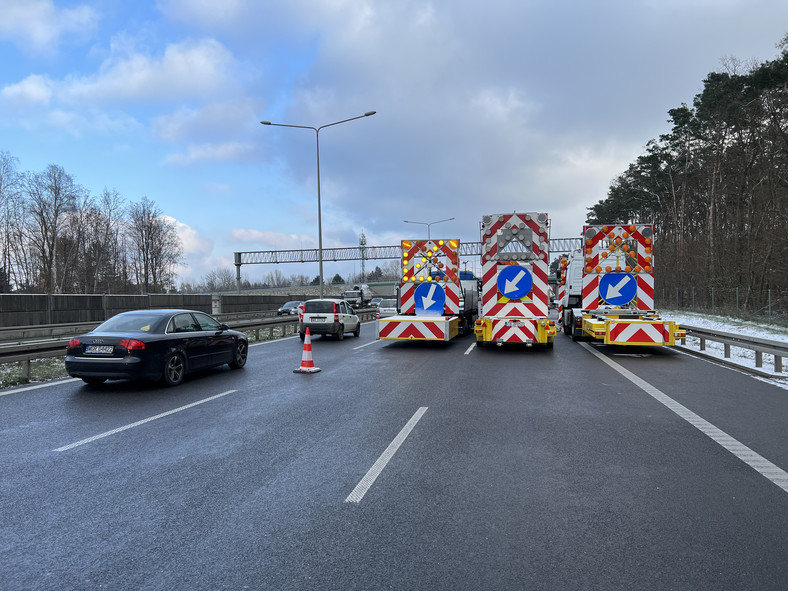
x: 142, y: 422
x: 43, y: 385
x: 757, y: 462
x: 471, y: 348
x: 369, y: 478
x: 367, y: 344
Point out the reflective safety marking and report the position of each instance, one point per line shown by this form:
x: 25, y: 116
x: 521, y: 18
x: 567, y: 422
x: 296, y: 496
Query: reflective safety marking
x: 369, y: 478
x: 142, y: 422
x: 37, y: 386
x: 763, y: 466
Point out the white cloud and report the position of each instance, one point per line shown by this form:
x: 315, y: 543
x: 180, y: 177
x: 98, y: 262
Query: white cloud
x: 211, y: 152
x: 191, y: 241
x: 38, y: 25
x: 217, y: 119
x: 35, y: 89
x: 272, y: 240
x: 185, y: 71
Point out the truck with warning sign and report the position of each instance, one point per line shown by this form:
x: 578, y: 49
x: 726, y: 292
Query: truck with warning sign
x: 606, y: 288
x: 436, y: 300
x: 515, y: 293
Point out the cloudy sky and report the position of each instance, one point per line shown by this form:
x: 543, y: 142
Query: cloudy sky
x: 482, y: 107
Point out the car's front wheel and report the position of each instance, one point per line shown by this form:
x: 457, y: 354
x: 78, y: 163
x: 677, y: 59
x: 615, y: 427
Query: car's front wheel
x: 357, y: 332
x: 174, y: 369
x: 239, y: 355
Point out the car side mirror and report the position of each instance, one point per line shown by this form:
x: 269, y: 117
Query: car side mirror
x: 224, y: 327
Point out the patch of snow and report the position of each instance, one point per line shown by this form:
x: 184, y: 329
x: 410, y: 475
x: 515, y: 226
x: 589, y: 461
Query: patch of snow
x: 738, y: 355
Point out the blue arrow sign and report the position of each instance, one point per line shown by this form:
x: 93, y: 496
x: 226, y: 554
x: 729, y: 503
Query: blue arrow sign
x: 430, y: 299
x: 618, y: 289
x: 515, y: 282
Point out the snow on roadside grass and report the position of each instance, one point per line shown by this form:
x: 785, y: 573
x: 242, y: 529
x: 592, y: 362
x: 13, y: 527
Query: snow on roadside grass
x: 738, y: 355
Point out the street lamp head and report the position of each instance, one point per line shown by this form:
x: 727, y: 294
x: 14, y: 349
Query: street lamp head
x: 368, y: 113
x: 265, y: 122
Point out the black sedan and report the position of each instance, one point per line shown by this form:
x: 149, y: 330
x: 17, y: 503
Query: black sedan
x: 153, y: 345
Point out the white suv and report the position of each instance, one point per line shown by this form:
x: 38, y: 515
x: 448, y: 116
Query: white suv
x: 329, y: 316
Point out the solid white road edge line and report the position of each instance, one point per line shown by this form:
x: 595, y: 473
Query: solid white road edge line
x: 43, y: 385
x: 369, y: 478
x: 142, y: 422
x: 760, y: 464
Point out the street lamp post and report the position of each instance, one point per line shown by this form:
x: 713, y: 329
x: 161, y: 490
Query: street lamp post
x: 319, y: 210
x: 428, y: 224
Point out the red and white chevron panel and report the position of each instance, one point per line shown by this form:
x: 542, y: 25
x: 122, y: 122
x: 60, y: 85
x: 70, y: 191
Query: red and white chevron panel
x: 619, y: 249
x: 418, y: 329
x: 534, y: 260
x: 514, y: 330
x: 638, y: 333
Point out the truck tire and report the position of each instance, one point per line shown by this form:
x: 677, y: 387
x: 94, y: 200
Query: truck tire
x: 567, y: 327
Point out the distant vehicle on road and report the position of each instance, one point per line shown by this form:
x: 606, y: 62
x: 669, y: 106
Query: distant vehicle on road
x: 153, y: 345
x: 329, y: 316
x: 289, y: 308
x: 387, y: 307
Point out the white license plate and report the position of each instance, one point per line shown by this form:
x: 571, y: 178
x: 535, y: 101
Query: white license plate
x: 514, y: 323
x: 318, y: 319
x: 98, y: 349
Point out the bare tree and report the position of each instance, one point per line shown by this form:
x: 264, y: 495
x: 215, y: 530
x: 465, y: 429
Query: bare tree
x: 154, y: 247
x: 10, y: 187
x: 50, y: 195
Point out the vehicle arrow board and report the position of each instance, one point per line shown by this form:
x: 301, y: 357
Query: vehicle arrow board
x: 614, y: 291
x: 427, y: 300
x: 510, y: 285
x: 514, y: 282
x: 618, y: 289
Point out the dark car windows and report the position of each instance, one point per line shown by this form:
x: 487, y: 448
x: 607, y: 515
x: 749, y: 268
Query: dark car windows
x: 319, y: 307
x: 207, y: 323
x: 129, y: 323
x: 184, y: 323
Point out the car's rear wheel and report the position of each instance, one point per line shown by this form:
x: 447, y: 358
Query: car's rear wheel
x: 174, y: 369
x: 239, y: 355
x: 341, y: 333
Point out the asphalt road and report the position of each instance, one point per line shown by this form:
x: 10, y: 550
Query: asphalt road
x: 401, y: 466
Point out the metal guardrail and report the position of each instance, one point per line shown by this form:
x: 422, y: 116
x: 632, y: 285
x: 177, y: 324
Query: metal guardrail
x: 760, y: 346
x: 50, y: 340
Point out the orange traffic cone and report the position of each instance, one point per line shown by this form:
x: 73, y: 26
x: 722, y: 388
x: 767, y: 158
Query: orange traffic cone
x: 307, y: 365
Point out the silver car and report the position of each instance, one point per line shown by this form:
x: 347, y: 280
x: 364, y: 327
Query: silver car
x: 329, y: 316
x: 387, y: 307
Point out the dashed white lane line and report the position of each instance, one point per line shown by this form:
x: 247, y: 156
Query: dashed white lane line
x: 469, y: 349
x: 369, y: 478
x: 367, y: 344
x: 142, y: 422
x: 757, y: 462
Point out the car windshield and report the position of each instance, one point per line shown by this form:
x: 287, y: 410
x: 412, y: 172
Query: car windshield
x: 319, y: 307
x: 290, y: 305
x: 129, y: 323
x: 387, y: 304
